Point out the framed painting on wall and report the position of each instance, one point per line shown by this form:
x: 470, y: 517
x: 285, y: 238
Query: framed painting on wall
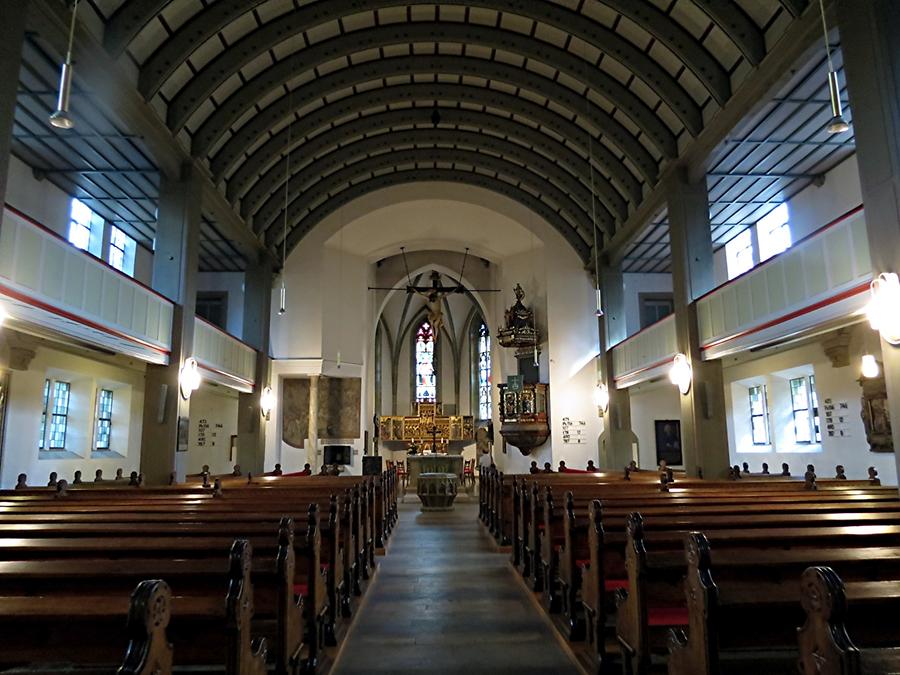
x: 668, y: 442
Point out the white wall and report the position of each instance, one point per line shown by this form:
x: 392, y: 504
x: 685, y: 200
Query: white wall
x: 635, y: 284
x: 813, y: 207
x: 838, y: 384
x: 38, y: 199
x: 233, y: 284
x: 650, y: 402
x: 47, y: 204
x: 215, y: 410
x: 20, y: 445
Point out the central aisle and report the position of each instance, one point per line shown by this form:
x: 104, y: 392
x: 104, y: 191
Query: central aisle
x: 445, y: 601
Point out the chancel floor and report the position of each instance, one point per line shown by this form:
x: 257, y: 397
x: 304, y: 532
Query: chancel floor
x: 445, y: 600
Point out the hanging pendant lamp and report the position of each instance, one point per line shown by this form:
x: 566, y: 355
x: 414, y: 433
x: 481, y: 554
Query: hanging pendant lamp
x: 61, y: 117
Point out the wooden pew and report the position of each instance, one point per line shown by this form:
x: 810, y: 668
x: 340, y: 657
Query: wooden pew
x: 825, y: 641
x: 654, y: 601
x: 206, y: 630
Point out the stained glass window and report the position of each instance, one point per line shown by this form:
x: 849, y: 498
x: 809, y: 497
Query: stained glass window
x: 426, y: 376
x: 104, y: 419
x: 484, y: 373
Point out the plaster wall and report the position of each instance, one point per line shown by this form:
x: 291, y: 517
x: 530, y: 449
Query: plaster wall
x: 213, y: 416
x: 233, y: 284
x: 837, y: 384
x: 86, y: 376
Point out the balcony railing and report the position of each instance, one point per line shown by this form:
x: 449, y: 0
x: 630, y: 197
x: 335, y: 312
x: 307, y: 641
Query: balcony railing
x: 646, y: 354
x: 224, y: 358
x: 59, y: 290
x: 819, y: 280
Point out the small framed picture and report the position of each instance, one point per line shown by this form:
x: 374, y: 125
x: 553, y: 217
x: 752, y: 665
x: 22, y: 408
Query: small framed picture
x: 668, y: 442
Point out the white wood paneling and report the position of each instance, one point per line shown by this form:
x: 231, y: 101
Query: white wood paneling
x: 646, y: 354
x: 224, y: 358
x: 53, y: 288
x: 820, y: 279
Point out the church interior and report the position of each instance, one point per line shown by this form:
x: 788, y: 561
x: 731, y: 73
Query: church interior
x: 486, y: 336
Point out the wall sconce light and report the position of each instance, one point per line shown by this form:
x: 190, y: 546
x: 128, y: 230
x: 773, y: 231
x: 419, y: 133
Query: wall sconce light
x: 189, y: 378
x: 681, y: 373
x: 61, y: 119
x: 267, y: 402
x: 601, y: 396
x: 4, y: 315
x: 882, y: 309
x: 869, y: 367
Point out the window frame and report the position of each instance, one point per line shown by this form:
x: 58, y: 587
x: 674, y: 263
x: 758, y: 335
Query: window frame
x: 730, y: 253
x: 764, y: 414
x: 103, y: 415
x: 435, y: 363
x: 128, y: 251
x: 45, y: 408
x: 57, y: 418
x: 765, y: 232
x: 656, y: 300
x: 94, y: 227
x: 811, y: 410
x: 483, y: 398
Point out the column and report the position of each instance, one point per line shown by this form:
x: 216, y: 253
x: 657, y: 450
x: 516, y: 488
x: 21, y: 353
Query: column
x: 872, y: 65
x: 704, y: 434
x: 12, y: 35
x: 617, y: 438
x: 175, y: 264
x: 251, y: 449
x: 312, y: 453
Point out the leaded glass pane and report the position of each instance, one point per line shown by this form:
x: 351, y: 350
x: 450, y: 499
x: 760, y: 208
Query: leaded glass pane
x: 426, y: 377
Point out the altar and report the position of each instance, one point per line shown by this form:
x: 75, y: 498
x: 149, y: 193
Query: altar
x: 419, y: 464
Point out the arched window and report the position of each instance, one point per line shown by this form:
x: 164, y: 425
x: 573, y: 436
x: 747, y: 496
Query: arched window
x: 484, y: 372
x: 426, y: 375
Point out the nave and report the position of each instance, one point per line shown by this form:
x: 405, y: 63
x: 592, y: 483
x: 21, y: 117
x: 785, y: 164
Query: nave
x: 445, y: 600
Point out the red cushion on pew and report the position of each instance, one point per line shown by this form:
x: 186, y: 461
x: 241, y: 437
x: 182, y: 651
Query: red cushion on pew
x: 540, y: 526
x: 557, y: 547
x: 324, y: 567
x: 583, y: 563
x: 301, y: 589
x: 615, y: 584
x: 667, y: 616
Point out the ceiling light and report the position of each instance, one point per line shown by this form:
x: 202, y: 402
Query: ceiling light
x: 837, y: 124
x: 681, y: 373
x: 869, y: 367
x: 61, y: 118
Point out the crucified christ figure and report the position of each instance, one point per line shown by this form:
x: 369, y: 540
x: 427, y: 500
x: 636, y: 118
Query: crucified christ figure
x: 433, y: 299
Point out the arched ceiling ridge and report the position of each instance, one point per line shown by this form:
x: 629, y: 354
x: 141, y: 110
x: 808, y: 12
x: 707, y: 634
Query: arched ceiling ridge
x: 206, y: 23
x: 323, y: 187
x: 372, y: 183
x: 500, y: 127
x: 265, y: 157
x: 342, y: 166
x: 612, y: 130
x: 189, y: 100
x: 530, y: 161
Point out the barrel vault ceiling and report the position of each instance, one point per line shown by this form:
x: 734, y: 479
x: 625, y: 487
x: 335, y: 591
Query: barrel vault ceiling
x: 572, y: 107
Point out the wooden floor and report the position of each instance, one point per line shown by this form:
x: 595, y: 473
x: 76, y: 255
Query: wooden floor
x: 445, y: 600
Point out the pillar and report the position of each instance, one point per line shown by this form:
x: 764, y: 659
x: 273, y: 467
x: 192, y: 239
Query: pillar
x: 872, y: 66
x: 312, y: 454
x: 175, y: 264
x: 12, y: 35
x: 251, y: 449
x: 617, y: 438
x: 704, y: 434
